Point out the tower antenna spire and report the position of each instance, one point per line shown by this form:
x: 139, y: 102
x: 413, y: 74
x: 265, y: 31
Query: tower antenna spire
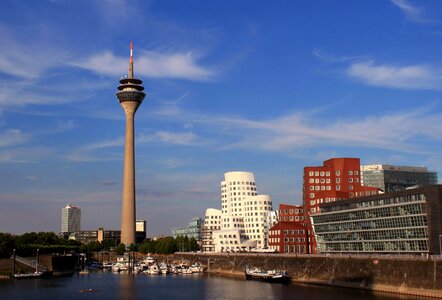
x: 131, y: 62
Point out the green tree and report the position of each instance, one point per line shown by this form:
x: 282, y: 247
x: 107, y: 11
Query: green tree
x: 7, y: 244
x: 119, y: 250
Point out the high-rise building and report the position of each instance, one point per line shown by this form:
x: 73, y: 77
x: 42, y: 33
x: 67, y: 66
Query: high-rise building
x: 70, y: 219
x: 130, y: 95
x: 390, y: 178
x: 244, y: 214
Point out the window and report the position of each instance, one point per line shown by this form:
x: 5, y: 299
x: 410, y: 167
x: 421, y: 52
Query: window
x: 322, y: 173
x: 327, y: 173
x: 311, y: 180
x: 356, y: 173
x: 350, y: 173
x: 338, y: 180
x: 338, y: 187
x: 350, y: 180
x: 310, y: 173
x: 312, y: 195
x: 316, y: 173
x: 338, y: 173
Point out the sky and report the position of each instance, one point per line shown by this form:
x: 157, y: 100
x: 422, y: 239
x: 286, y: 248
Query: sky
x: 267, y: 87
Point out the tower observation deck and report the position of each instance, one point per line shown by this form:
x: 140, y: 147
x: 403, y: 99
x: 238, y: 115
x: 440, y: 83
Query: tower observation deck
x: 130, y: 95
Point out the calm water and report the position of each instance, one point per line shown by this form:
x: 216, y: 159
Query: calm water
x: 196, y: 286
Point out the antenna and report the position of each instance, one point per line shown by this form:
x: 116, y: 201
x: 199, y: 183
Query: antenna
x: 131, y: 62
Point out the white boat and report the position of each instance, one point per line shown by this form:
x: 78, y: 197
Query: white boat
x: 267, y: 275
x: 196, y: 268
x: 186, y: 271
x: 153, y: 270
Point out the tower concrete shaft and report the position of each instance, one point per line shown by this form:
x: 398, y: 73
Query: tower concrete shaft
x: 130, y: 95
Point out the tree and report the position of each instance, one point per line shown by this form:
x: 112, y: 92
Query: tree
x: 7, y: 244
x: 119, y: 250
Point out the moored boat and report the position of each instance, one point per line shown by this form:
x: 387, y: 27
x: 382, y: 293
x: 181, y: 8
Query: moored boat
x: 275, y: 276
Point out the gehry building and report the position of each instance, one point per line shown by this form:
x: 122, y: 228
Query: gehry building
x: 243, y: 214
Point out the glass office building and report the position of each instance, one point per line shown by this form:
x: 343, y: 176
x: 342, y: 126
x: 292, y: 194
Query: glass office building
x: 407, y: 221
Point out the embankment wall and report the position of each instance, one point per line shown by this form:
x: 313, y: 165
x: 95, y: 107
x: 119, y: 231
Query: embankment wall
x: 413, y: 275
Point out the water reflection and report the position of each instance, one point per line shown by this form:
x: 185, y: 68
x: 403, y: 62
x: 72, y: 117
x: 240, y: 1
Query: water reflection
x: 107, y: 285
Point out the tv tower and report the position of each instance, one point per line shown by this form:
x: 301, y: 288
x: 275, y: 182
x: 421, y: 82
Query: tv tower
x: 130, y: 95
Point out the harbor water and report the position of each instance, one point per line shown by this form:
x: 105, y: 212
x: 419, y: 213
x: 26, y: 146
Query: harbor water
x: 108, y: 285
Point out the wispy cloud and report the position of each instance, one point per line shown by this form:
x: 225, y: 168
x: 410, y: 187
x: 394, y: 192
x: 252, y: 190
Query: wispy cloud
x: 149, y: 64
x: 394, y: 131
x: 422, y: 77
x: 12, y: 137
x: 326, y: 57
x: 411, y: 11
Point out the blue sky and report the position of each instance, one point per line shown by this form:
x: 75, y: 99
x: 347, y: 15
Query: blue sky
x: 261, y: 86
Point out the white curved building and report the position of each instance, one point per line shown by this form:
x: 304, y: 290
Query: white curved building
x: 244, y: 214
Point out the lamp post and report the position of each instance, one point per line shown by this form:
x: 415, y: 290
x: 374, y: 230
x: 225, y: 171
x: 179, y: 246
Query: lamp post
x: 36, y: 265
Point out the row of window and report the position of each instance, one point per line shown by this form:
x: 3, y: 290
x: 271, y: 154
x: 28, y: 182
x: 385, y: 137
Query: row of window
x: 327, y: 173
x: 238, y: 183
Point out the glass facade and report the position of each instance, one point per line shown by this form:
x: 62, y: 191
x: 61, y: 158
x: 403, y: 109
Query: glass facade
x: 385, y: 224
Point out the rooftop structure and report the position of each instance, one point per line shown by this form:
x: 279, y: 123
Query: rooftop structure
x: 390, y: 178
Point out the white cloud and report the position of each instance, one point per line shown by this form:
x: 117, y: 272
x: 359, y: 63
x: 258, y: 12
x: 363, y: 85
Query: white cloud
x: 149, y: 64
x: 12, y: 137
x: 394, y: 131
x: 411, y: 11
x: 402, y: 77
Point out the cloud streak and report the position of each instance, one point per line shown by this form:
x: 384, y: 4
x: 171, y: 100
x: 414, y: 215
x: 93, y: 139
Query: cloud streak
x: 412, y: 12
x: 148, y: 64
x: 420, y: 77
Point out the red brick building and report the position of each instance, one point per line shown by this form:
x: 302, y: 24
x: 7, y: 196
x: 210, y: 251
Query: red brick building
x: 290, y: 234
x: 337, y: 178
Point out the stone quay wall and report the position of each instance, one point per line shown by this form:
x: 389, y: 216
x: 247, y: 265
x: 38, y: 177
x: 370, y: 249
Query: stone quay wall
x: 412, y: 275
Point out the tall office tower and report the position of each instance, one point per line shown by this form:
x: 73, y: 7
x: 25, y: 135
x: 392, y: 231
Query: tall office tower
x: 70, y: 219
x: 390, y: 178
x: 130, y: 95
x: 244, y: 214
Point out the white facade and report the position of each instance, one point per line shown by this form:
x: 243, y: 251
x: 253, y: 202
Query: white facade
x: 70, y: 219
x: 244, y: 214
x: 212, y: 222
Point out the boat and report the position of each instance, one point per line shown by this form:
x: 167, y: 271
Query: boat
x: 36, y: 274
x: 274, y: 276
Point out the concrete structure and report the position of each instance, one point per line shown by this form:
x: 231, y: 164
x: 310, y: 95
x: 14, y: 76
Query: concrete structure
x: 408, y: 221
x: 193, y: 230
x: 390, y: 178
x: 130, y: 95
x: 212, y: 222
x: 70, y: 219
x: 244, y: 214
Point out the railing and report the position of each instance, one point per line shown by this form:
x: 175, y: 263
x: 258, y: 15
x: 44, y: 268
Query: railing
x: 30, y: 263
